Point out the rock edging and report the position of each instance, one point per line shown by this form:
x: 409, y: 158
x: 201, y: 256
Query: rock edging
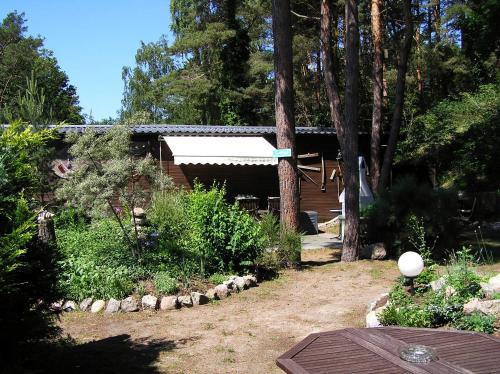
x: 233, y: 284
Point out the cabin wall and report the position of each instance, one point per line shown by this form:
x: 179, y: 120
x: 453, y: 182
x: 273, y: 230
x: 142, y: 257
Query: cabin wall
x: 262, y: 181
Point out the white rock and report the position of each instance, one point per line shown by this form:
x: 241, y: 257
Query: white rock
x: 376, y: 251
x: 210, y: 294
x: 449, y: 291
x: 438, y: 284
x: 252, y: 279
x: 199, y: 298
x: 97, y: 306
x: 69, y: 306
x: 232, y: 277
x: 113, y: 306
x: 85, y: 304
x: 221, y: 291
x: 372, y: 319
x: 483, y: 306
x: 185, y: 301
x: 241, y: 283
x: 149, y: 302
x: 138, y: 212
x: 129, y: 304
x: 169, y: 303
x: 495, y: 282
x: 57, y: 305
x: 381, y: 301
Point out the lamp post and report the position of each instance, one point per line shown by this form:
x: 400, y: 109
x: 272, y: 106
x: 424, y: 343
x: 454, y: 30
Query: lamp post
x: 411, y: 264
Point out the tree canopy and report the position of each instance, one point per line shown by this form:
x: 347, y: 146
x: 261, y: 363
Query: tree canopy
x: 24, y: 60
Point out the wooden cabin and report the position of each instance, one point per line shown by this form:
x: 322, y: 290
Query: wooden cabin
x: 242, y: 158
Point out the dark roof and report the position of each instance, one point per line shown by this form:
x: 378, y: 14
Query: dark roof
x: 202, y: 129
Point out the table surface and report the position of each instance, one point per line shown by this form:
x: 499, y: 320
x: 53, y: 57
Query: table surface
x: 376, y: 350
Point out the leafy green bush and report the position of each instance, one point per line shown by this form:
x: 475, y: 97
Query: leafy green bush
x: 476, y: 322
x: 223, y: 237
x: 165, y: 284
x: 96, y: 261
x: 462, y: 278
x: 28, y: 268
x: 282, y: 245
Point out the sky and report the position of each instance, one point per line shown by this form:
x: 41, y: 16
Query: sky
x: 93, y: 39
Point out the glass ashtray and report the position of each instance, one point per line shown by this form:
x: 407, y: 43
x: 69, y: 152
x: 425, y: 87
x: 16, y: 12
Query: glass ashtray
x: 418, y: 354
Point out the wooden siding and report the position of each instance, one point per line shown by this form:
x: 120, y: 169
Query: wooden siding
x: 262, y: 181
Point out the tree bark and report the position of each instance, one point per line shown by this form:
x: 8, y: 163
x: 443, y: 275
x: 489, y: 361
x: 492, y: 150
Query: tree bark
x: 399, y: 98
x: 345, y: 125
x: 285, y: 123
x: 350, y: 151
x: 378, y: 91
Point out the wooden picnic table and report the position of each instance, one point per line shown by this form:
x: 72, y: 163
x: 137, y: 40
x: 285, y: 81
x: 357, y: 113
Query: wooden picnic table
x: 376, y: 350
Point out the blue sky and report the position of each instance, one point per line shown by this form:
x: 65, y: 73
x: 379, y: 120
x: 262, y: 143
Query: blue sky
x: 92, y: 40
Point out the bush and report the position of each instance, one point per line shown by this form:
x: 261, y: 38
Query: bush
x: 476, y: 322
x: 165, y: 284
x: 223, y: 237
x: 462, y: 278
x: 282, y: 245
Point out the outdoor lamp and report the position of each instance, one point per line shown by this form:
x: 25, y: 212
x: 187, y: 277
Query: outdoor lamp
x: 411, y: 264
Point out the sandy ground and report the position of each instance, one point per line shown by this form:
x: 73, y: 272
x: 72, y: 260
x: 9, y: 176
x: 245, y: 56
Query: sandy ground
x: 242, y: 334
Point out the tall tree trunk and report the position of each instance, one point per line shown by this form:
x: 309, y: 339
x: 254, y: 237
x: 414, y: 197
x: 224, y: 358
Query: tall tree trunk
x: 420, y: 85
x: 350, y: 151
x: 285, y: 124
x: 436, y: 12
x: 378, y: 91
x: 400, y: 97
x: 346, y: 127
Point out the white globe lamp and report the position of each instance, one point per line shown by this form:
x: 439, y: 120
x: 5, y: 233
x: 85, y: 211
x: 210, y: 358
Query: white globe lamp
x: 411, y: 264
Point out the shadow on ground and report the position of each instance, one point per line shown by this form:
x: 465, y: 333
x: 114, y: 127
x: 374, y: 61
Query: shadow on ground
x: 116, y: 354
x: 319, y: 257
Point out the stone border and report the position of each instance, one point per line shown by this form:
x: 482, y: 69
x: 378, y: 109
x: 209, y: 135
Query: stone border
x: 234, y: 284
x: 375, y: 308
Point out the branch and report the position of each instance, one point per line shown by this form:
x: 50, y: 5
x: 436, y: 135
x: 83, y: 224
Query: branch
x: 306, y: 17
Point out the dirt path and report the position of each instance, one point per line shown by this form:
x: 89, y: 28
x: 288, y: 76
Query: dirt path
x: 242, y: 334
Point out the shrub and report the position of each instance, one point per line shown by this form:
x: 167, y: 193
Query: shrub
x: 476, y: 322
x: 223, y: 237
x: 165, y: 284
x: 462, y: 278
x: 283, y: 245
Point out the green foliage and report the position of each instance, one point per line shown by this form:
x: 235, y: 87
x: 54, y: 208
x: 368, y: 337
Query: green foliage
x: 218, y: 278
x: 222, y: 236
x: 462, y: 277
x: 103, y: 170
x: 24, y: 61
x: 389, y: 218
x: 441, y: 308
x: 165, y: 284
x: 458, y: 138
x: 28, y: 268
x: 96, y: 261
x: 282, y: 245
x: 476, y: 321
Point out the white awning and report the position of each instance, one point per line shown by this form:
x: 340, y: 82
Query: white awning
x: 221, y: 150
